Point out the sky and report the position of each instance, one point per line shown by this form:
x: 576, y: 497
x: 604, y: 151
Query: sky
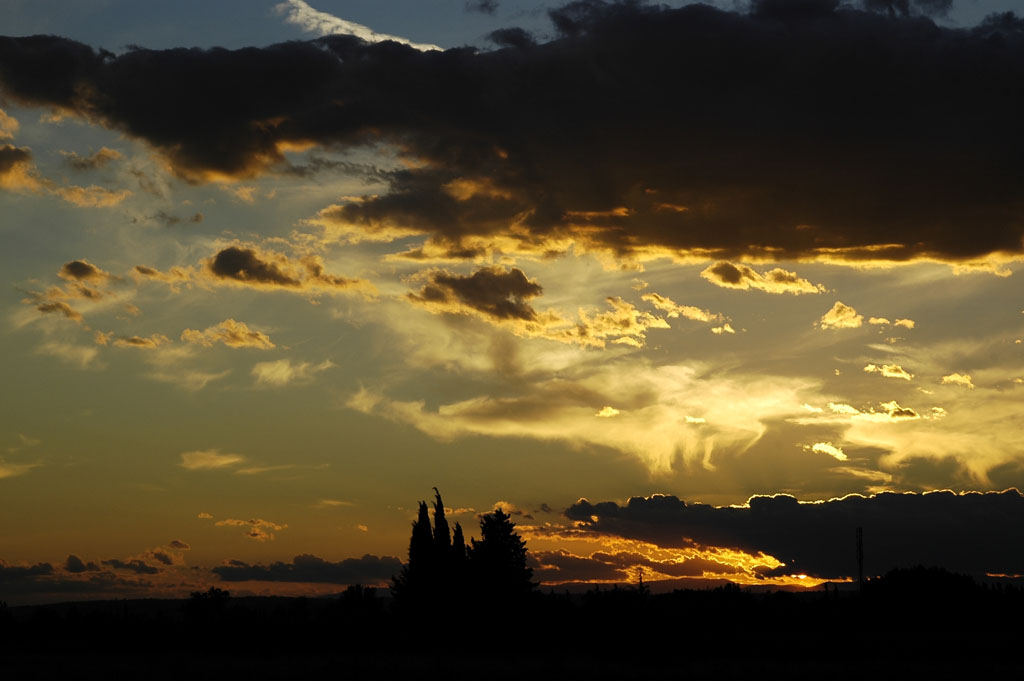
x: 693, y: 288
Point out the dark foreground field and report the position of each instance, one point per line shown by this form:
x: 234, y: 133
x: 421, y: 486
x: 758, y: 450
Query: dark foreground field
x: 912, y: 623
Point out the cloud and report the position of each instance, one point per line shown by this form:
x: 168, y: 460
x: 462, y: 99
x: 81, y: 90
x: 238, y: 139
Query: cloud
x: 835, y: 452
x: 841, y: 316
x: 658, y: 423
x: 209, y: 459
x: 134, y: 565
x: 179, y: 545
x: 889, y: 371
x: 672, y: 309
x: 281, y: 372
x: 482, y: 6
x: 906, y: 323
x: 959, y: 379
x: 817, y: 538
x: 141, y: 342
x: 558, y: 163
x: 76, y: 565
x: 59, y: 307
x: 561, y: 566
x: 725, y: 328
x: 778, y: 280
x: 81, y: 356
x: 890, y: 412
x: 257, y: 529
x: 370, y: 570
x: 249, y: 266
x: 170, y: 219
x: 491, y: 291
x: 231, y: 333
x: 310, y: 20
x: 607, y: 412
x: 8, y: 128
x: 93, y: 161
x: 11, y: 470
x: 83, y: 270
x: 18, y: 173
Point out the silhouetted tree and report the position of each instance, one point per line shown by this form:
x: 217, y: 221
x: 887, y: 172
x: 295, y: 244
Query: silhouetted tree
x: 498, y: 560
x: 415, y: 579
x: 442, y: 537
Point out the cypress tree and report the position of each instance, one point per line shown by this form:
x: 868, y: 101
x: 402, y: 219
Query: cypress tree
x: 417, y: 575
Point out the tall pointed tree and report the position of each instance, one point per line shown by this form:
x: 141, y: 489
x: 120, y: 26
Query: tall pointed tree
x: 442, y: 536
x: 417, y: 574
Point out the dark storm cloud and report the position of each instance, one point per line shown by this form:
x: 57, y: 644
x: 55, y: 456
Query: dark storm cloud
x: 369, y: 569
x: 972, y: 533
x: 798, y: 130
x: 494, y: 291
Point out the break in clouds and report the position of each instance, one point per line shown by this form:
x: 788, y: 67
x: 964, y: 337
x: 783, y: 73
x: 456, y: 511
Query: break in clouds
x: 639, y: 131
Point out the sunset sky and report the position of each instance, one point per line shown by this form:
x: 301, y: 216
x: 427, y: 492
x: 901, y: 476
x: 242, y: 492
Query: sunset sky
x: 273, y: 271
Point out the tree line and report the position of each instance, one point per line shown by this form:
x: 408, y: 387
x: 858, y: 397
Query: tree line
x: 443, y: 571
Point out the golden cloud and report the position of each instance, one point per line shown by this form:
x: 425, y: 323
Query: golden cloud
x: 231, y: 333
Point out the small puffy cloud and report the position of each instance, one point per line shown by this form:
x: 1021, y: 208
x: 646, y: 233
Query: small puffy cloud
x: 889, y: 412
x: 179, y: 545
x: 491, y: 291
x: 141, y: 342
x: 889, y: 371
x: 743, y: 277
x: 607, y: 412
x: 673, y: 309
x: 231, y: 333
x: 93, y: 161
x: 724, y: 328
x: 204, y: 516
x: 879, y: 320
x: 841, y: 316
x: 281, y: 372
x: 257, y: 529
x: 959, y: 379
x: 59, y: 307
x: 247, y: 266
x: 906, y: 323
x: 82, y: 270
x: 209, y: 459
x: 830, y: 449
